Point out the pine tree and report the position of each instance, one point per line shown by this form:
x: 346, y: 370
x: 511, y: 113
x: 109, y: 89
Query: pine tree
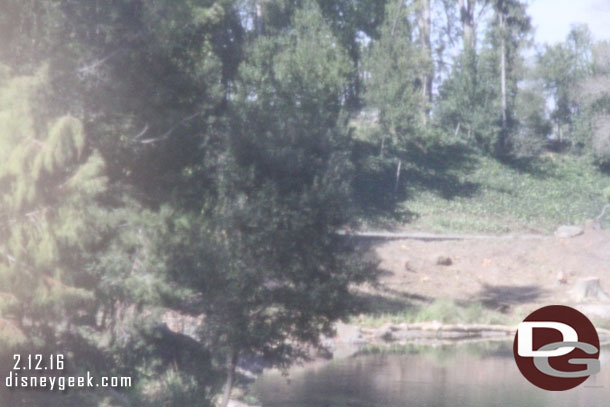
x: 262, y: 259
x: 50, y: 183
x: 394, y: 68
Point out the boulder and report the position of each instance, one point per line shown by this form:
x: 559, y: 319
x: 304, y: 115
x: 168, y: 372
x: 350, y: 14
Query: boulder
x: 566, y: 232
x: 444, y: 261
x: 385, y: 333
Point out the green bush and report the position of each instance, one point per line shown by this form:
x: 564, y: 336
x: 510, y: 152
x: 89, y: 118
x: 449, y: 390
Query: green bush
x: 606, y: 194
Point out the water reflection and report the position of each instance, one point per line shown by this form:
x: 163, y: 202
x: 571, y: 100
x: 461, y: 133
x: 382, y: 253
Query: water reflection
x: 452, y: 376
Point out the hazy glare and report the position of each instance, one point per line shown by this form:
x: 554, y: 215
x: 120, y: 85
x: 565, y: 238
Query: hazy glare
x: 553, y: 18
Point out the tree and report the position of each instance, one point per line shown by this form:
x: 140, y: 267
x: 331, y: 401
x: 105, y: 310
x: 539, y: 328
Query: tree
x: 562, y: 67
x: 594, y: 96
x: 512, y: 27
x: 148, y: 80
x: 259, y: 256
x: 470, y: 16
x: 469, y: 100
x: 532, y: 127
x: 395, y: 67
x: 352, y: 22
x: 425, y: 38
x: 466, y: 97
x: 473, y: 100
x: 50, y: 184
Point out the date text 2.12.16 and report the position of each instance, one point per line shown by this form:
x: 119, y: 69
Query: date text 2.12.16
x: 38, y: 362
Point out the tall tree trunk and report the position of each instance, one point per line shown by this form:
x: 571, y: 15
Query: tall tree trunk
x: 231, y: 365
x: 467, y: 20
x: 397, y: 182
x: 424, y: 24
x: 258, y: 17
x: 503, y: 71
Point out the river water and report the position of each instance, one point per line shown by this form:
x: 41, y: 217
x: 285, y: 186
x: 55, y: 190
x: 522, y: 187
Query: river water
x: 448, y: 376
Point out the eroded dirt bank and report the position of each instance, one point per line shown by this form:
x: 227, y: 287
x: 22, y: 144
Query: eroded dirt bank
x: 511, y: 276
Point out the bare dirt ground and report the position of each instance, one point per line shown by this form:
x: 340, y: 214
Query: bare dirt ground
x: 510, y: 276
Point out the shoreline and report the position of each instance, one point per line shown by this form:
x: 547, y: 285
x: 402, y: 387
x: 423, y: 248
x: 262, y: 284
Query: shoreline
x: 350, y: 339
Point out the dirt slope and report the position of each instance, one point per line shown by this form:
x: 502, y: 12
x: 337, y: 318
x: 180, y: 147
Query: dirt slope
x: 505, y: 275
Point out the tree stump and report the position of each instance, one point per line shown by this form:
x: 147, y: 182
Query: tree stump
x: 444, y: 261
x: 589, y: 289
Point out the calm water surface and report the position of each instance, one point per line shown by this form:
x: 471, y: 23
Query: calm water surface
x: 452, y: 376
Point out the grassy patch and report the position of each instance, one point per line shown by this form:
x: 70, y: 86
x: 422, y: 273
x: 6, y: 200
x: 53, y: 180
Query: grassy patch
x: 499, y: 197
x: 440, y: 354
x: 441, y: 310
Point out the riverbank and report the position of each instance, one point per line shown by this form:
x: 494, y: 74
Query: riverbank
x: 496, y: 282
x: 352, y: 340
x: 438, y: 292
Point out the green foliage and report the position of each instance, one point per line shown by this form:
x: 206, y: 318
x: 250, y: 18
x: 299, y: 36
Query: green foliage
x: 525, y: 194
x: 606, y: 194
x: 531, y: 133
x: 207, y: 164
x: 261, y: 258
x: 562, y: 67
x: 473, y: 105
x: 593, y: 120
x: 394, y: 67
x: 442, y: 310
x: 73, y: 259
x: 171, y: 389
x: 39, y: 223
x: 469, y: 100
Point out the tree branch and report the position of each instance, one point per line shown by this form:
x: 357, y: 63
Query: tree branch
x: 171, y: 129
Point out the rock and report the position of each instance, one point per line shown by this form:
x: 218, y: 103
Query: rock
x: 444, y: 261
x: 562, y: 278
x: 566, y: 232
x: 589, y: 289
x: 385, y: 333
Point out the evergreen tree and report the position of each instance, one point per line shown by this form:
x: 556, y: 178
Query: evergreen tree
x: 394, y: 69
x: 50, y: 183
x: 469, y: 100
x: 263, y: 261
x: 562, y: 67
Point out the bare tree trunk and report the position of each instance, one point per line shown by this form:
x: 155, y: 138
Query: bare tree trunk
x: 503, y: 134
x: 424, y: 24
x: 398, y: 167
x: 503, y: 71
x: 467, y: 19
x: 231, y: 365
x: 258, y: 17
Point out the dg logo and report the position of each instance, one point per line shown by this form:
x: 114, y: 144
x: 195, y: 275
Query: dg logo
x: 557, y: 348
